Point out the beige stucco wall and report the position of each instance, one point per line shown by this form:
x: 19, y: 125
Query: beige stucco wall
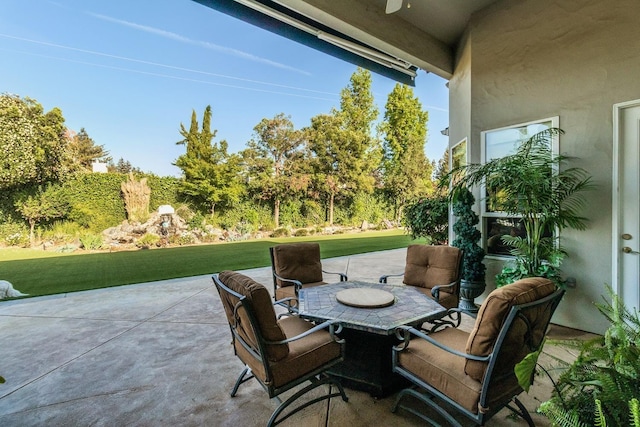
x: 523, y: 60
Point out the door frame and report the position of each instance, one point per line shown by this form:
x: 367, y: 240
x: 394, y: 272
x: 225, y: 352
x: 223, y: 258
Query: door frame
x: 616, y: 219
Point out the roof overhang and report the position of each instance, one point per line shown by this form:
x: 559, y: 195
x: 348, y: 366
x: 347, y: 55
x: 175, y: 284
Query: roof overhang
x: 299, y: 26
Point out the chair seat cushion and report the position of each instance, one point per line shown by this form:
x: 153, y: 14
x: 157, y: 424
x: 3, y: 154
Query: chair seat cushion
x: 442, y: 370
x: 290, y: 291
x: 306, y: 354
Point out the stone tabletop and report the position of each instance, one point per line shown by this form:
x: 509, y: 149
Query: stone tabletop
x: 411, y: 306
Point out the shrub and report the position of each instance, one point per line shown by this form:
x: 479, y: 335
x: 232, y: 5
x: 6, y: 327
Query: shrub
x: 301, y: 232
x: 280, y: 232
x: 91, y: 241
x: 62, y: 232
x: 255, y: 214
x: 14, y: 234
x: 147, y: 240
x: 368, y: 207
x: 429, y: 218
x: 605, y: 377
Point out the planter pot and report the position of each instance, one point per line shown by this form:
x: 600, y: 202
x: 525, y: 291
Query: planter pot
x: 469, y: 290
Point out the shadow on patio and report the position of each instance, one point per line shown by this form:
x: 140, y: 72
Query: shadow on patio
x: 159, y: 354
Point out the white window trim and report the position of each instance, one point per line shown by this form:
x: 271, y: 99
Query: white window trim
x: 555, y: 148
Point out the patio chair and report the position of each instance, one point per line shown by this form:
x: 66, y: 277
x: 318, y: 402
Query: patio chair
x: 294, y: 266
x: 473, y: 373
x: 435, y: 271
x: 279, y: 353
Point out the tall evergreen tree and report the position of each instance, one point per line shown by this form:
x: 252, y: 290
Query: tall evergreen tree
x: 273, y: 159
x: 211, y: 176
x: 84, y: 151
x: 407, y: 171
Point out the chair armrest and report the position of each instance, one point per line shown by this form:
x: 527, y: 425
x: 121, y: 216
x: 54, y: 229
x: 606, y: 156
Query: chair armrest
x: 435, y: 291
x: 383, y: 279
x: 296, y: 283
x: 404, y: 333
x: 292, y: 310
x: 331, y: 324
x: 343, y: 277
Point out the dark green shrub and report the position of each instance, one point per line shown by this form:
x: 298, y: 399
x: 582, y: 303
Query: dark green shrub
x: 428, y: 218
x: 258, y: 215
x: 280, y: 232
x: 301, y: 232
x: 468, y: 236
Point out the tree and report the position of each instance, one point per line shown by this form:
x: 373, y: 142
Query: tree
x: 45, y: 204
x: 123, y: 166
x: 33, y: 143
x: 273, y: 159
x: 407, y: 172
x: 211, y: 174
x: 442, y: 168
x: 345, y: 155
x: 84, y: 151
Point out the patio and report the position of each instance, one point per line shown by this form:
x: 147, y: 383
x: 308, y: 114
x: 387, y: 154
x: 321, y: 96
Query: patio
x: 158, y: 354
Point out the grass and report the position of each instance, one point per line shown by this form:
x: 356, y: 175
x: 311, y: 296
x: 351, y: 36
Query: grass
x: 43, y: 273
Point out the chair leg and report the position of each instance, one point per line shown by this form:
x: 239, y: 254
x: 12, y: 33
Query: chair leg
x: 427, y: 399
x: 315, y: 382
x: 241, y: 379
x: 523, y: 412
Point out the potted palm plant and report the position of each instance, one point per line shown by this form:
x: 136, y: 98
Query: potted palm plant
x: 530, y: 184
x: 472, y: 283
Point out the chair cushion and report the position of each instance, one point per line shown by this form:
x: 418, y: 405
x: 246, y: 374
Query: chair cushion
x: 306, y: 354
x: 428, y: 266
x: 290, y: 292
x: 442, y: 370
x: 299, y: 261
x: 260, y: 300
x: 494, y: 312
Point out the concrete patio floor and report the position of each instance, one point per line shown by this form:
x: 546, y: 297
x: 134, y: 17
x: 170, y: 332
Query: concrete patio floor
x: 159, y: 354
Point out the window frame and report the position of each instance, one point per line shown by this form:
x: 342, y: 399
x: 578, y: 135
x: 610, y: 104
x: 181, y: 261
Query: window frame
x: 485, y: 213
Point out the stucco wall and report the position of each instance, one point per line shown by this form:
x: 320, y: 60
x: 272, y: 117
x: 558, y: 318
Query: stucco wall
x: 533, y: 59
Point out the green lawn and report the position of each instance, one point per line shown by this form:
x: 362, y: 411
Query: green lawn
x: 45, y: 273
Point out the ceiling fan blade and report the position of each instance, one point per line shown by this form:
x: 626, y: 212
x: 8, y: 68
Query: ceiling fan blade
x: 393, y: 6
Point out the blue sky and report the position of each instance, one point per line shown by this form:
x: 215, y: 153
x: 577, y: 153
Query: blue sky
x: 130, y: 71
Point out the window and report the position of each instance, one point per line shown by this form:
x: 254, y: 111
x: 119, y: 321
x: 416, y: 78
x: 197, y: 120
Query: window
x: 499, y: 143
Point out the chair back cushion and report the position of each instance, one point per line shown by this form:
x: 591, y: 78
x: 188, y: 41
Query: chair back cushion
x: 299, y: 261
x: 491, y: 318
x: 428, y: 266
x: 259, y: 299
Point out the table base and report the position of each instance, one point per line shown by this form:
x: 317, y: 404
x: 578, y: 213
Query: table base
x: 367, y: 364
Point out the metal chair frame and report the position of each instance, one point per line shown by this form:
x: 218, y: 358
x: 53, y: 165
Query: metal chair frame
x: 317, y: 377
x: 430, y: 393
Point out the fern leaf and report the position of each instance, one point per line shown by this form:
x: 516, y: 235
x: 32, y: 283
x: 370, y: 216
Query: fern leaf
x: 599, y: 421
